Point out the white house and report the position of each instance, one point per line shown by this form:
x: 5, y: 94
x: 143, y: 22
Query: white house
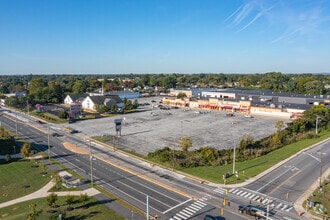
x: 95, y: 102
x: 72, y: 98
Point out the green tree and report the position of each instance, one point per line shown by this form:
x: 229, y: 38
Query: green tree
x: 114, y: 108
x: 69, y: 199
x: 181, y: 95
x: 51, y: 199
x: 63, y: 114
x: 135, y: 104
x: 83, y: 198
x: 36, y: 85
x: 34, y: 213
x: 56, y: 178
x: 79, y: 87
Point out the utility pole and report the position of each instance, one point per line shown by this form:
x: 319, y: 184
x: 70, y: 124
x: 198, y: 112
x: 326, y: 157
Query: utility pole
x: 91, y: 161
x: 16, y: 125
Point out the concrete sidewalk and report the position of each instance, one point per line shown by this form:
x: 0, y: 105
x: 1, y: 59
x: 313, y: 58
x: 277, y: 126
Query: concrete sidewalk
x: 44, y: 192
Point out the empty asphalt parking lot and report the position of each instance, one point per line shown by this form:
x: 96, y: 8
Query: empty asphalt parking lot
x: 154, y: 128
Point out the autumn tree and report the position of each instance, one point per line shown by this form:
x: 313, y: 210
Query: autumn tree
x: 185, y: 143
x: 26, y: 150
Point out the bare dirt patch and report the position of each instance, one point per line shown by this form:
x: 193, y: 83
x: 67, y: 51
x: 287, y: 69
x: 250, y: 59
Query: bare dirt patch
x: 74, y: 148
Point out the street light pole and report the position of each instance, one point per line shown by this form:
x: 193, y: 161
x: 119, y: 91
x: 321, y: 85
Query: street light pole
x: 91, y: 161
x: 317, y: 120
x: 48, y: 142
x: 320, y: 169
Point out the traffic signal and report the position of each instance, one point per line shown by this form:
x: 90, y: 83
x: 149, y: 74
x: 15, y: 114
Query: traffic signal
x: 227, y: 191
x: 224, y: 201
x: 287, y: 195
x: 221, y: 211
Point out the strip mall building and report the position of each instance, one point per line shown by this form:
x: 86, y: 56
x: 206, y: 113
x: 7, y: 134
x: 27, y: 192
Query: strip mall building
x: 252, y: 102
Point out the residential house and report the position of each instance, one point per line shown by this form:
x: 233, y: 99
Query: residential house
x: 94, y: 103
x: 73, y: 98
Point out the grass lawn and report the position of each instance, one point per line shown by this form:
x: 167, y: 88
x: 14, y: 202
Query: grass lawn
x: 95, y: 210
x: 19, y: 178
x: 251, y: 168
x: 320, y: 198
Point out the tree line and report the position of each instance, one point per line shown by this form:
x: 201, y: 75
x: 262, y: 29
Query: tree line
x: 54, y: 88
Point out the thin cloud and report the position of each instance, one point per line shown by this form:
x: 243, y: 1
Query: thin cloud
x: 255, y: 18
x: 244, y: 12
x: 235, y: 12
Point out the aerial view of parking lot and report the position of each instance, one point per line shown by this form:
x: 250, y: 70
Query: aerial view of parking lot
x: 154, y: 127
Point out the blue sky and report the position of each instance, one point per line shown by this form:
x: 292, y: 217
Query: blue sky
x: 164, y: 36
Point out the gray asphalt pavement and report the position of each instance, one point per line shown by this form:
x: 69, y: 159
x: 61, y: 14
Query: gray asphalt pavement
x: 153, y: 128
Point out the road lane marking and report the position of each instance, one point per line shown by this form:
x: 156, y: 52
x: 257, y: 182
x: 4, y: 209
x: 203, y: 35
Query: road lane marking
x: 318, y: 159
x: 273, y: 180
x: 271, y: 192
x: 176, y: 206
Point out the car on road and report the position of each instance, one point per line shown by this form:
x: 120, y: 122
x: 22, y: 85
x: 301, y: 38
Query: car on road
x: 211, y: 217
x: 56, y: 134
x: 74, y: 131
x: 256, y: 211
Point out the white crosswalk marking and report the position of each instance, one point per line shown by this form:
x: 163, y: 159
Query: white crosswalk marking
x: 186, y: 212
x: 220, y: 190
x: 256, y: 198
x: 232, y: 189
x: 181, y: 216
x: 284, y: 207
x: 235, y: 190
x: 251, y: 196
x: 243, y: 193
x: 200, y: 203
x: 279, y: 205
x: 239, y: 193
x: 289, y: 209
x: 190, y: 210
x: 247, y: 195
x: 195, y: 206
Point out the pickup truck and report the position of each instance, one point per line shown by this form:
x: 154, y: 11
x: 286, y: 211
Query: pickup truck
x: 257, y: 212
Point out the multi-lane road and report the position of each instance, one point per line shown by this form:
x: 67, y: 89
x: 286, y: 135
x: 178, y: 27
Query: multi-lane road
x: 172, y: 195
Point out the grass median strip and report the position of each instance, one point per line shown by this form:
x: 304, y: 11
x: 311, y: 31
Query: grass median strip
x: 252, y: 168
